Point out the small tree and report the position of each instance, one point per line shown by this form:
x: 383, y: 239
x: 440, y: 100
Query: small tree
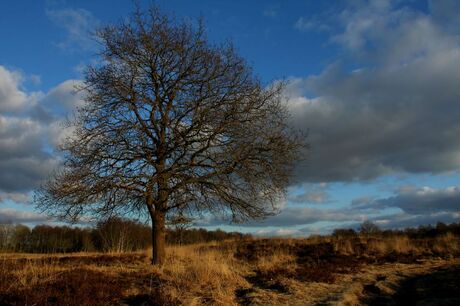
x: 172, y: 122
x: 368, y: 228
x: 180, y: 222
x: 344, y: 233
x: 120, y: 235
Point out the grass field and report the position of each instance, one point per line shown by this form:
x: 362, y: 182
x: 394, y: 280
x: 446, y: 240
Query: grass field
x: 315, y: 271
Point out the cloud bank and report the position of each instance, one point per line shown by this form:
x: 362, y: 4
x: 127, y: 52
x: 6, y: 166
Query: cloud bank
x: 408, y: 207
x: 390, y: 104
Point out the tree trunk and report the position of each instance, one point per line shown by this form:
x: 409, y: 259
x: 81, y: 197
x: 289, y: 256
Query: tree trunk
x: 158, y: 238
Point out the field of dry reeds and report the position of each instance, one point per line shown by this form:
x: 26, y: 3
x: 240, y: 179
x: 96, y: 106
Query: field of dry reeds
x: 316, y: 271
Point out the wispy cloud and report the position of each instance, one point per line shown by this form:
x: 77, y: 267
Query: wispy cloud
x: 271, y: 11
x: 312, y: 194
x: 79, y: 25
x: 305, y: 24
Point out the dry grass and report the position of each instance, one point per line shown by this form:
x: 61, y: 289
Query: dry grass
x: 256, y: 272
x: 446, y: 245
x: 400, y: 245
x: 192, y: 275
x: 197, y: 275
x: 28, y: 274
x: 58, y: 279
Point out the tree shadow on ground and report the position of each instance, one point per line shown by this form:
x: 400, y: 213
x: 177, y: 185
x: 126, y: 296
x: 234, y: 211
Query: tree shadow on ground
x: 441, y: 287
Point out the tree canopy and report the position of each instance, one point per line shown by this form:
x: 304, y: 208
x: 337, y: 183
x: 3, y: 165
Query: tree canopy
x: 172, y: 123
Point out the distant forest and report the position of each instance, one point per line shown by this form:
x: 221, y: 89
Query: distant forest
x: 112, y: 235
x: 123, y: 235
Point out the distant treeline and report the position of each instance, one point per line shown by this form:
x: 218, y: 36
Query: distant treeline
x: 423, y: 231
x: 123, y: 235
x: 112, y: 235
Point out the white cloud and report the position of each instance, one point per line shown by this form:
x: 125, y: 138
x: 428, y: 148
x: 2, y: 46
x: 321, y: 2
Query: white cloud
x: 11, y: 97
x: 362, y: 22
x: 28, y: 134
x: 14, y: 196
x: 282, y: 232
x: 16, y: 216
x: 404, y: 220
x: 65, y: 97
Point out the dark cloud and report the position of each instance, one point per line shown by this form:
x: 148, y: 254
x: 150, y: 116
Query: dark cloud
x: 397, y: 113
x: 446, y: 13
x: 25, y: 174
x: 19, y: 137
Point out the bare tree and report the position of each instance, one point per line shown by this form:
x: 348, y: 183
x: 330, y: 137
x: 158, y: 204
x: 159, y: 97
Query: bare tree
x: 6, y: 235
x: 172, y: 122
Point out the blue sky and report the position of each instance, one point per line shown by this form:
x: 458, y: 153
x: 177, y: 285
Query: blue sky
x: 375, y: 84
